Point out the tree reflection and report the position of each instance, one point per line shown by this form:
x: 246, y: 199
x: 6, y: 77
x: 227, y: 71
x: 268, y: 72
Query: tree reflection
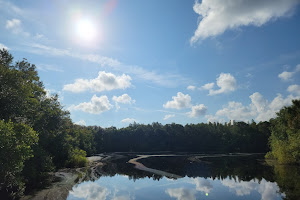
x: 288, y: 180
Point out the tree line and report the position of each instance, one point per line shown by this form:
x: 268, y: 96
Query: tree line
x: 37, y: 135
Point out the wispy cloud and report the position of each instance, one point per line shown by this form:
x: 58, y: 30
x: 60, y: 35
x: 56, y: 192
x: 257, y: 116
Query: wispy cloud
x: 129, y: 120
x: 191, y: 87
x: 167, y: 79
x: 8, y: 7
x: 46, y: 67
x: 15, y: 26
x: 169, y: 116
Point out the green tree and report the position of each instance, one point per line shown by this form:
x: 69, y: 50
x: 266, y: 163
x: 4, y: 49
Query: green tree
x: 285, y: 135
x: 15, y: 147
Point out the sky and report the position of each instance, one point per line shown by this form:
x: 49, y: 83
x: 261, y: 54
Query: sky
x: 114, y: 62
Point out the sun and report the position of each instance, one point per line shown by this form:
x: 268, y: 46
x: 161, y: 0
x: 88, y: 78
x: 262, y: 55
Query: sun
x: 86, y: 30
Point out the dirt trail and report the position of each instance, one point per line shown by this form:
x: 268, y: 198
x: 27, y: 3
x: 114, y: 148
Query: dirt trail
x: 142, y: 167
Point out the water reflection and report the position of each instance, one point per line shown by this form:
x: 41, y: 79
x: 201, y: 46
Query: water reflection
x: 121, y: 188
x: 89, y: 191
x: 203, y: 185
x: 182, y: 193
x: 267, y: 190
x: 120, y: 181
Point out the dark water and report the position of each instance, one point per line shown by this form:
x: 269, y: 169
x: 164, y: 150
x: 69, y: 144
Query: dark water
x: 198, y: 177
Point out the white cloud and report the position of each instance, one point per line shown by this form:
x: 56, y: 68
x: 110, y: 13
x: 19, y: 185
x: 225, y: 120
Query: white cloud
x: 81, y: 123
x: 207, y: 86
x: 2, y: 46
x: 294, y: 89
x: 123, y: 99
x: 217, y: 16
x: 235, y: 111
x: 15, y: 26
x: 287, y: 76
x: 181, y: 193
x: 97, y: 105
x: 258, y: 102
x: 179, y: 102
x: 226, y: 83
x: 197, y: 110
x: 104, y: 81
x: 129, y: 120
x: 89, y: 191
x: 191, y: 87
x: 168, y: 116
x: 268, y: 110
x: 260, y: 109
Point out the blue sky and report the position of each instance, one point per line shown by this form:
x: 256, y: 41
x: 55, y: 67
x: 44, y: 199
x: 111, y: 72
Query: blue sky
x: 113, y: 62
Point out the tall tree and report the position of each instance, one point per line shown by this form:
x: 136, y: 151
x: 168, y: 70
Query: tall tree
x: 285, y: 135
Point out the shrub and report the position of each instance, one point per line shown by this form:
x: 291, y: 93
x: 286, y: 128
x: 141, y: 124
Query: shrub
x: 77, y: 158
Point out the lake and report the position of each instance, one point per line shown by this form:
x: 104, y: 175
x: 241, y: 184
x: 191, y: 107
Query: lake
x: 127, y: 176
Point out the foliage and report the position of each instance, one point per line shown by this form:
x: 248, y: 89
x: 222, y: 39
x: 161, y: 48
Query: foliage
x: 77, y: 158
x: 287, y: 178
x: 211, y: 137
x: 285, y: 135
x: 23, y: 100
x: 37, y: 168
x: 15, y: 147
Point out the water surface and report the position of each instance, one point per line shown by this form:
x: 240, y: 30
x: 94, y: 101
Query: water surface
x: 188, y: 177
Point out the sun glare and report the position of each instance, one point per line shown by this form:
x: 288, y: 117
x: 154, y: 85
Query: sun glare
x: 86, y: 30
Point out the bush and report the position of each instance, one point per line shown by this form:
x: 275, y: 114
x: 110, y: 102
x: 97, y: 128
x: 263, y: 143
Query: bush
x: 77, y: 158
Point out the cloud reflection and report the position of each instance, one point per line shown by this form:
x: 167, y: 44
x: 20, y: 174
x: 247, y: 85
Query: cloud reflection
x: 181, y: 193
x: 122, y: 197
x: 90, y: 191
x: 203, y: 185
x: 268, y: 190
